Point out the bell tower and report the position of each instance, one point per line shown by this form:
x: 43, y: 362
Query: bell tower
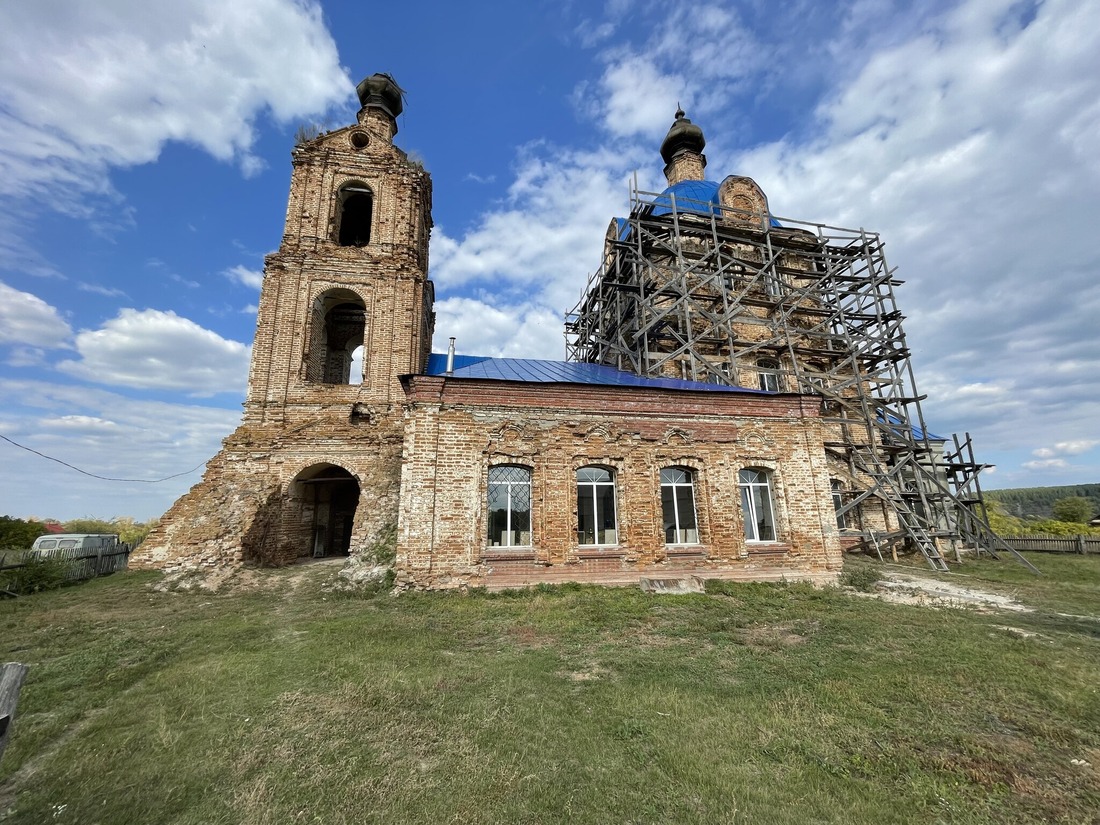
x: 346, y: 304
x: 345, y: 309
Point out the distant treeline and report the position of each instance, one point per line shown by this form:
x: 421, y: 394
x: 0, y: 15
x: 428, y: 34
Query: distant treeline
x: 1036, y: 502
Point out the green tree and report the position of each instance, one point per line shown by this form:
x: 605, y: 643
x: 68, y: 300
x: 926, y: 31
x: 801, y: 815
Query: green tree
x: 1073, y: 509
x: 18, y: 534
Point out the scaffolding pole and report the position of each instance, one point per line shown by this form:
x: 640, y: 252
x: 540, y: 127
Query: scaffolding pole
x: 698, y: 291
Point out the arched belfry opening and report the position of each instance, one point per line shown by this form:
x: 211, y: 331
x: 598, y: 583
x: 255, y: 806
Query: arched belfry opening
x: 355, y: 209
x: 338, y: 331
x: 323, y: 499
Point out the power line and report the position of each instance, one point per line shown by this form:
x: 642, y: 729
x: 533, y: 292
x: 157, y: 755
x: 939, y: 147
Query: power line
x: 101, y: 478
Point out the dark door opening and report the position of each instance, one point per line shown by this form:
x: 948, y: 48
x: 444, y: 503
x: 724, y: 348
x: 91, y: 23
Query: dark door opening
x: 329, y: 499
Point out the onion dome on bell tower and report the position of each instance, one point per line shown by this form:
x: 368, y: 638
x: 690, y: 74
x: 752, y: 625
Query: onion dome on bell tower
x: 682, y: 151
x: 381, y: 100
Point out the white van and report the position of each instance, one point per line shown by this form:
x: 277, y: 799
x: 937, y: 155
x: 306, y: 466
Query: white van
x: 88, y: 542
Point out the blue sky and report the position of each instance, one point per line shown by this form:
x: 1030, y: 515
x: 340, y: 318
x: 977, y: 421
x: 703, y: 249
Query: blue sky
x: 144, y: 168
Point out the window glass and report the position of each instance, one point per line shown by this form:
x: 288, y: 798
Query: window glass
x: 838, y: 502
x: 596, y: 506
x: 678, y: 506
x: 67, y: 543
x: 756, y: 505
x: 509, y: 506
x: 768, y: 371
x: 48, y: 544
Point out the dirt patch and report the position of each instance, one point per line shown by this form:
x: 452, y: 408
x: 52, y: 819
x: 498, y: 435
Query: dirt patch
x: 771, y: 637
x: 939, y: 592
x: 240, y: 579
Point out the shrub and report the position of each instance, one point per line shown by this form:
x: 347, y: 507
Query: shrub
x: 863, y: 579
x: 34, y: 575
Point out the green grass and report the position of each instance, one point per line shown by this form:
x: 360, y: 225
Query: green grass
x: 750, y: 704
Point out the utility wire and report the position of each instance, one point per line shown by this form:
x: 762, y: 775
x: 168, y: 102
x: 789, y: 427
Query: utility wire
x: 102, y: 478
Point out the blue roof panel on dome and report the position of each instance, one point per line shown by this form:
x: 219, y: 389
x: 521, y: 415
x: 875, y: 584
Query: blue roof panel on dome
x: 699, y: 197
x: 696, y: 197
x: 533, y: 370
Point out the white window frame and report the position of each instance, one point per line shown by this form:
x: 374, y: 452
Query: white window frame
x: 675, y: 486
x: 749, y: 509
x: 509, y: 485
x: 593, y: 486
x: 767, y: 370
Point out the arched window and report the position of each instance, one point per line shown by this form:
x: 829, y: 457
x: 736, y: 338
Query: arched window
x: 768, y: 371
x: 837, y: 488
x: 678, y: 506
x: 509, y: 506
x: 338, y: 330
x: 756, y: 504
x: 356, y: 208
x: 596, y: 506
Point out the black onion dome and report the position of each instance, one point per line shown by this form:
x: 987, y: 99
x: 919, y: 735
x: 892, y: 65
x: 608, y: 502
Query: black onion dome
x: 381, y: 90
x: 684, y: 136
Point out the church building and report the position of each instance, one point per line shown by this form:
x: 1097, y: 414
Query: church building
x: 462, y: 471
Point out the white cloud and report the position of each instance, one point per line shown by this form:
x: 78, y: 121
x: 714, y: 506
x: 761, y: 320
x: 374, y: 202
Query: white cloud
x: 106, y: 434
x: 1065, y: 448
x: 197, y: 71
x: 109, y: 292
x: 150, y: 349
x: 1046, y: 464
x: 245, y: 276
x: 971, y: 146
x: 536, y: 248
x: 499, y: 331
x: 27, y: 319
x: 88, y: 87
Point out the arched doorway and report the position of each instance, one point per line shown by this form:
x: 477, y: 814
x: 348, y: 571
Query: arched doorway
x: 327, y: 496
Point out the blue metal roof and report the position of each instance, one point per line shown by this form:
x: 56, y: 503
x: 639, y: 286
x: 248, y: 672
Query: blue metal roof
x: 918, y: 433
x: 699, y: 197
x: 696, y: 197
x: 533, y: 370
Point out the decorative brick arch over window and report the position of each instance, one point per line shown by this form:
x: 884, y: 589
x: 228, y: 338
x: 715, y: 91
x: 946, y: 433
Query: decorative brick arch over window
x: 354, y: 214
x: 509, y: 506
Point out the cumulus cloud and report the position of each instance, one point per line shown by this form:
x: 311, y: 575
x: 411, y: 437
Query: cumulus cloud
x: 151, y: 349
x: 27, y: 319
x: 1046, y: 464
x: 500, y: 331
x: 88, y: 87
x: 1065, y: 448
x: 245, y: 276
x: 537, y: 246
x: 197, y: 71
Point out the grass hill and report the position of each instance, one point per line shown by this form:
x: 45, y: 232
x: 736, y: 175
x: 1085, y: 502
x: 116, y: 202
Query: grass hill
x: 283, y: 700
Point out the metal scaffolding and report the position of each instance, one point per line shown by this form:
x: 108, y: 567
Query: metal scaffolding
x: 694, y: 290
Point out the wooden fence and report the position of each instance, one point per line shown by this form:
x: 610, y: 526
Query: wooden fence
x: 80, y: 563
x: 1055, y: 544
